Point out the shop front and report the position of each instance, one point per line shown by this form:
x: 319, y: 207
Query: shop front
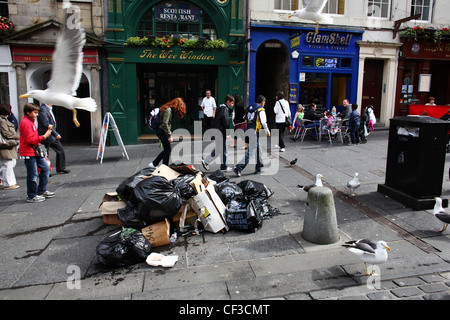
x: 423, y: 72
x: 172, y: 49
x: 307, y: 66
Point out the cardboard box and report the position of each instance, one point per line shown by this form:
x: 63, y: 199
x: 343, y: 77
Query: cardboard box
x: 158, y: 234
x: 109, y: 206
x: 209, y: 207
x: 165, y: 172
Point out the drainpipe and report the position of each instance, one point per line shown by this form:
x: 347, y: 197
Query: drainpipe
x: 247, y: 47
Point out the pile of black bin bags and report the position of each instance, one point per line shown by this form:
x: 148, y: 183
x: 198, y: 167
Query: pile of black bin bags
x: 151, y: 199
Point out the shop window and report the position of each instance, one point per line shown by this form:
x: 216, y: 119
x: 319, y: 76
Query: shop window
x: 334, y: 7
x: 4, y: 88
x: 307, y: 61
x: 346, y: 63
x: 4, y: 12
x: 422, y: 7
x: 378, y: 8
x: 177, y: 17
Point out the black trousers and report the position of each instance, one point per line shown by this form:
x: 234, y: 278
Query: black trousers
x: 281, y: 128
x: 165, y: 154
x: 60, y: 154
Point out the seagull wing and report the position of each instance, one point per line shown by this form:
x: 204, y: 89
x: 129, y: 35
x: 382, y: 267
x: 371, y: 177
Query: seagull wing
x: 67, y: 65
x: 316, y: 6
x: 444, y: 217
x: 364, y: 245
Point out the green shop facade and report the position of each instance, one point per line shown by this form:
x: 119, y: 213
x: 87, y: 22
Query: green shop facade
x: 160, y: 50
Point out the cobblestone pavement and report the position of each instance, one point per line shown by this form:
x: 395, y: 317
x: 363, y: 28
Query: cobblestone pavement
x: 48, y: 249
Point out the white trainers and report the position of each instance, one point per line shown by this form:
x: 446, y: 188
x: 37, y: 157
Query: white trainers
x: 151, y: 165
x: 282, y: 150
x: 228, y: 169
x: 205, y: 165
x: 36, y: 199
x: 48, y: 194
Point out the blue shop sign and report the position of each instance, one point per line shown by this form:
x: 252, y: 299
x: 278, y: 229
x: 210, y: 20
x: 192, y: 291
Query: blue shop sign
x: 177, y: 11
x: 330, y: 41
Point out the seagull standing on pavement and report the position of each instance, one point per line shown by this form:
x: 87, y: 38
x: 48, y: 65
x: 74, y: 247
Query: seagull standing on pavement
x: 67, y: 68
x: 313, y: 12
x: 354, y: 183
x: 440, y: 213
x: 318, y: 183
x: 369, y: 251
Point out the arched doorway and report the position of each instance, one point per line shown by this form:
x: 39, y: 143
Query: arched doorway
x: 272, y: 74
x: 65, y: 126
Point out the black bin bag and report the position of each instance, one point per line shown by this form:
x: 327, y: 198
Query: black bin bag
x: 130, y: 217
x: 125, y: 190
x: 227, y: 190
x: 255, y: 190
x: 158, y: 193
x: 243, y: 216
x: 125, y: 248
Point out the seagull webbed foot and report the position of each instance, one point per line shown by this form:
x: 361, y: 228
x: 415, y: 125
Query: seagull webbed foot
x: 74, y: 117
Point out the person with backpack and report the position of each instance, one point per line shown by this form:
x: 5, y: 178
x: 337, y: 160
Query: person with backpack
x: 221, y: 122
x: 255, y: 121
x: 163, y: 129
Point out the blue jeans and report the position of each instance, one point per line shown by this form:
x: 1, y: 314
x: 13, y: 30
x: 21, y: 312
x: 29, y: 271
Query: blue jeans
x: 354, y: 133
x: 224, y: 154
x: 32, y: 174
x: 253, y: 150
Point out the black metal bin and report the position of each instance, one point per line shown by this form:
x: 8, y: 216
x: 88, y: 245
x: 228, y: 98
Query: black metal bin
x: 415, y: 160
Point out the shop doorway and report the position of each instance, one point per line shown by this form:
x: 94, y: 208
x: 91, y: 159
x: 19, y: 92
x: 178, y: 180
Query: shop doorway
x: 373, y: 85
x: 272, y: 74
x: 159, y: 84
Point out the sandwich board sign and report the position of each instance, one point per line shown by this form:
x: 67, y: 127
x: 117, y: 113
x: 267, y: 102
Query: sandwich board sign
x: 107, y: 120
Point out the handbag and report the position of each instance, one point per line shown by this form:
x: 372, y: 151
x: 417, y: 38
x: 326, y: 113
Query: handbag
x: 287, y: 120
x: 7, y: 143
x: 40, y: 151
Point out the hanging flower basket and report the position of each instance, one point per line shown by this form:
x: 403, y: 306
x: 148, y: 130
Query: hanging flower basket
x: 6, y: 27
x: 427, y: 35
x: 169, y: 41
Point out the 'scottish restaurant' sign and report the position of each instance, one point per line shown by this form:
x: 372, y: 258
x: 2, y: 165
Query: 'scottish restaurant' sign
x: 170, y: 11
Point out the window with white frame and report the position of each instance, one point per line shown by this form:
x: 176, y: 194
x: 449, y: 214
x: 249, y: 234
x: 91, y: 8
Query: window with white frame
x: 422, y: 7
x: 334, y: 7
x: 288, y: 5
x: 379, y: 8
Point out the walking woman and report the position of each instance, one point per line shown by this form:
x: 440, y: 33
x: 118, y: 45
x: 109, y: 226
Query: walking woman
x: 163, y: 132
x: 282, y: 111
x: 8, y: 156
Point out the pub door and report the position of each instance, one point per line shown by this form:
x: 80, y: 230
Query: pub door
x: 159, y: 84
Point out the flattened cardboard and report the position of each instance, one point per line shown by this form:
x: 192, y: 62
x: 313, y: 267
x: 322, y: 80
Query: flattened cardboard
x: 166, y: 172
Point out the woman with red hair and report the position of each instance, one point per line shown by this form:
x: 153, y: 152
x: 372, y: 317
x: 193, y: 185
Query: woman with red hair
x: 163, y: 132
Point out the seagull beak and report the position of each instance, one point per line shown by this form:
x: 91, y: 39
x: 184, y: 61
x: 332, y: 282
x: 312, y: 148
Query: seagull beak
x: 388, y: 248
x: 290, y: 16
x: 23, y: 96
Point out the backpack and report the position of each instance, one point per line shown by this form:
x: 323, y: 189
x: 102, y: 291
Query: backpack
x: 154, y: 120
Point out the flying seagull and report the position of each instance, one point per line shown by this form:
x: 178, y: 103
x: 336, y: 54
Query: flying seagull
x: 369, y: 252
x: 313, y: 12
x: 440, y: 213
x: 67, y: 68
x: 354, y: 183
x: 318, y: 183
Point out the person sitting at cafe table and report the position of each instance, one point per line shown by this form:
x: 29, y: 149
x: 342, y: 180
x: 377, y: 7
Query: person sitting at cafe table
x: 311, y: 114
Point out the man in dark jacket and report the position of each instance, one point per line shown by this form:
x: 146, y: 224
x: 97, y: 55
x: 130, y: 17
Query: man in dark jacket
x: 221, y: 122
x: 311, y: 114
x: 46, y: 118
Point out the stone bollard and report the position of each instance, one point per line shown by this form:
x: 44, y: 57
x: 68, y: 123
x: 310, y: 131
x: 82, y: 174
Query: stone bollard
x: 320, y: 224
